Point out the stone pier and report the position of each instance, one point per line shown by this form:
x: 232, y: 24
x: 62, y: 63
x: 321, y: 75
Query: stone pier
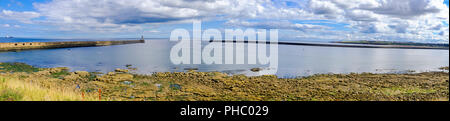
x: 14, y: 46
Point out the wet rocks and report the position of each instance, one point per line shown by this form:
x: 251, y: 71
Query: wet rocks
x: 77, y: 76
x: 71, y: 77
x: 42, y: 73
x: 121, y: 70
x: 115, y: 77
x: 191, y: 69
x: 255, y: 69
x: 82, y: 73
x: 58, y: 69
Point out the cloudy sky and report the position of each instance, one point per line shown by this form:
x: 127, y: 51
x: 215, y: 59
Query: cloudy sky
x: 297, y: 20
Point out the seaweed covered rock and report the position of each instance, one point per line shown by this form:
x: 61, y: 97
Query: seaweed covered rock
x: 82, y: 73
x: 255, y: 69
x: 71, y: 77
x: 77, y: 76
x: 42, y: 73
x: 114, y: 78
x: 58, y: 69
x: 121, y: 70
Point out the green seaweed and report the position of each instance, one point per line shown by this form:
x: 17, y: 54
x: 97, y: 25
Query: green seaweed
x: 17, y: 67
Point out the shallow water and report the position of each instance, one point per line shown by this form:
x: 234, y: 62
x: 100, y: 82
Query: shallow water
x: 153, y: 56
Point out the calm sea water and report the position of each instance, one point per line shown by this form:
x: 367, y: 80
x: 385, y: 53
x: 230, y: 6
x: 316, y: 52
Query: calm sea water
x: 153, y: 56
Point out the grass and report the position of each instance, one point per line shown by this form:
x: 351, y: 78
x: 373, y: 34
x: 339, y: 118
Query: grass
x: 18, y: 90
x: 8, y: 94
x: 17, y: 67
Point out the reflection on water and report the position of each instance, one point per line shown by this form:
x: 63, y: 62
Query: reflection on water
x: 153, y: 56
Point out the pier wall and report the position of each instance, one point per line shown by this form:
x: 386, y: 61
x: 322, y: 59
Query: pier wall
x: 48, y: 45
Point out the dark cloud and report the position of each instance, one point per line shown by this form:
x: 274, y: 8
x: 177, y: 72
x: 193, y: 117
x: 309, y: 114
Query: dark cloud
x: 405, y: 8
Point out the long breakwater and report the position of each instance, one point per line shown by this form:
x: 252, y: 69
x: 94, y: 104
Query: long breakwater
x: 338, y: 45
x: 14, y: 46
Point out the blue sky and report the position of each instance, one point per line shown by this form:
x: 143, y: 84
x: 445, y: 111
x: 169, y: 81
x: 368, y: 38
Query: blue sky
x: 297, y: 20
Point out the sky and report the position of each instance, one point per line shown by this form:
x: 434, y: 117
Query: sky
x: 296, y: 20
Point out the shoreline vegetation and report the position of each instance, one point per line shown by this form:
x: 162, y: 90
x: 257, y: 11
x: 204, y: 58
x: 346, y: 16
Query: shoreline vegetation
x: 22, y: 82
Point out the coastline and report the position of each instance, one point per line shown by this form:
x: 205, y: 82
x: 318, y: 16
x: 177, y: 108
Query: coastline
x: 121, y: 85
x: 350, y: 45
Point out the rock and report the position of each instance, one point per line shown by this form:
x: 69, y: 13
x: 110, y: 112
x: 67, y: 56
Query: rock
x: 133, y: 69
x: 82, y: 73
x: 42, y: 73
x: 58, y: 69
x: 121, y: 70
x: 110, y: 73
x: 71, y: 77
x: 255, y: 69
x: 191, y: 69
x: 115, y: 77
x: 123, y: 77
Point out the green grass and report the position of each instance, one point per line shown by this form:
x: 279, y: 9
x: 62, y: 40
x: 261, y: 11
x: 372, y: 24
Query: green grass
x: 7, y: 94
x: 10, y: 95
x: 17, y: 67
x: 14, y: 89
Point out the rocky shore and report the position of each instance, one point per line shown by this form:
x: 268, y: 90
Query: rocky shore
x: 215, y: 86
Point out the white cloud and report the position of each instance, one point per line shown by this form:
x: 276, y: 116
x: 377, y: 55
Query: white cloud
x: 88, y: 15
x: 370, y: 18
x: 406, y: 8
x: 362, y: 15
x: 326, y: 8
x: 277, y: 25
x: 152, y: 31
x: 24, y: 17
x: 396, y: 18
x: 8, y: 26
